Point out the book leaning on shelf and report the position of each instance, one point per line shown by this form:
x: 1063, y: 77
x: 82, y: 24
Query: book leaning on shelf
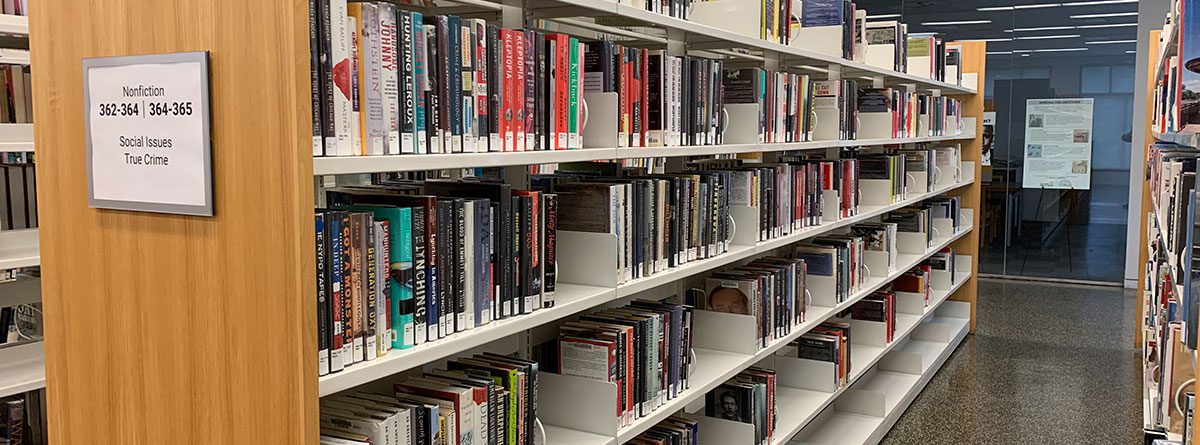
x: 748, y: 397
x: 674, y: 430
x: 18, y: 191
x: 772, y: 290
x: 642, y: 348
x: 487, y: 398
x: 786, y: 196
x: 828, y: 343
x: 784, y: 100
x: 404, y: 263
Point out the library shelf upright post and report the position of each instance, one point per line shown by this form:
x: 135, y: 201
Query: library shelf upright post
x: 182, y: 329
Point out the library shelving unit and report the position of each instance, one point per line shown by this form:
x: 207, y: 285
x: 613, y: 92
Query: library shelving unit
x: 1153, y: 227
x: 177, y: 329
x: 21, y: 366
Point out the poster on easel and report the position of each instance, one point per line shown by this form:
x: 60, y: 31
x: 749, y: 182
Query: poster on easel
x: 1058, y: 144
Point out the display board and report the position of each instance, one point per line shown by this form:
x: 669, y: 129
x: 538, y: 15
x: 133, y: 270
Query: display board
x: 1058, y: 144
x: 989, y: 136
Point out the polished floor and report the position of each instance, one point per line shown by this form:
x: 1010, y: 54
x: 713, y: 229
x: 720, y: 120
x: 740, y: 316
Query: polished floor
x: 1048, y: 364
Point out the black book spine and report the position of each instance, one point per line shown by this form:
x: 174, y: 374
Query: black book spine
x: 518, y: 267
x: 408, y: 98
x: 530, y: 99
x: 454, y: 81
x: 314, y: 45
x: 421, y: 317
x: 483, y: 79
x: 460, y: 266
x: 655, y: 96
x: 551, y: 247
x: 433, y: 290
x: 445, y: 66
x: 322, y: 299
x: 326, y: 79
x: 434, y: 67
x: 542, y: 118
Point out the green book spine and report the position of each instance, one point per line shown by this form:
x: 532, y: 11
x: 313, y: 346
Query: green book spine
x: 573, y: 88
x: 400, y: 276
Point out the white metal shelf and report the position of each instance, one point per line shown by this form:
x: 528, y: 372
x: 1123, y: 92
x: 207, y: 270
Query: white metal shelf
x: 16, y: 137
x: 335, y: 165
x: 14, y: 25
x: 571, y: 299
x: 19, y: 248
x: 14, y: 56
x: 898, y: 390
x: 715, y: 367
x: 22, y: 369
x: 798, y: 407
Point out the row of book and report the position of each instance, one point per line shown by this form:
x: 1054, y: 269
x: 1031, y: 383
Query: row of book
x: 18, y: 191
x: 16, y: 7
x: 660, y: 221
x: 403, y: 263
x: 21, y: 323
x: 16, y: 94
x: 674, y: 430
x: 1176, y: 98
x: 771, y: 289
x: 390, y: 81
x: 829, y: 342
x: 748, y: 397
x: 643, y: 348
x: 485, y: 399
x: 840, y: 28
x: 23, y: 419
x: 888, y: 113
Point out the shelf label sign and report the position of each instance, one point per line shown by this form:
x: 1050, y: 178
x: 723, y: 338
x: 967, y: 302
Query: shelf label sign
x: 148, y: 133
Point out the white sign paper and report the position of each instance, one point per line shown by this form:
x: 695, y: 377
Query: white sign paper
x: 1058, y: 144
x: 148, y: 133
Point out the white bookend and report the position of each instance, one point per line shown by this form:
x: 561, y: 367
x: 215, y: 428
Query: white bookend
x: 601, y: 130
x: 743, y: 124
x: 716, y: 14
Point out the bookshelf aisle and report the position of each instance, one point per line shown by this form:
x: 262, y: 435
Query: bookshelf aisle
x: 640, y: 242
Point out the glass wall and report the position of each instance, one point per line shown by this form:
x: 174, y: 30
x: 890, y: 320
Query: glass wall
x: 1059, y: 95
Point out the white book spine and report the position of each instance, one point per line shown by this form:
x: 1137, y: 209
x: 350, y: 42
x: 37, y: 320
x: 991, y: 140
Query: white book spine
x: 372, y: 44
x: 340, y: 37
x: 390, y: 64
x: 352, y: 46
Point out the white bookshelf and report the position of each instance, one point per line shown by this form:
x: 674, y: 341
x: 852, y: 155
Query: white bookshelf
x: 14, y: 25
x: 332, y: 165
x: 571, y: 299
x: 16, y: 138
x: 19, y: 248
x: 22, y: 368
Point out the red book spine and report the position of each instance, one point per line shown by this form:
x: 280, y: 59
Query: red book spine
x: 506, y: 116
x: 519, y: 90
x: 626, y: 97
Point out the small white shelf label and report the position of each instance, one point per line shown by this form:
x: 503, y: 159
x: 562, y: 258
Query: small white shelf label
x: 148, y: 133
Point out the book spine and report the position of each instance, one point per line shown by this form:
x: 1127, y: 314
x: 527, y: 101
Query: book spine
x: 654, y: 99
x: 420, y: 288
x: 385, y: 323
x: 402, y: 136
x: 402, y: 277
x: 483, y: 262
x: 339, y: 76
x: 371, y: 97
x: 333, y: 273
x: 434, y: 279
x: 366, y: 284
x: 347, y: 292
x: 518, y: 93
x: 575, y: 58
x: 482, y: 99
x: 445, y: 68
x: 529, y: 80
x: 551, y: 249
x: 542, y: 97
x: 467, y: 45
x: 354, y: 50
x: 495, y: 90
x: 507, y: 129
x: 323, y: 308
x: 420, y: 81
x: 315, y: 37
x: 562, y: 95
x: 453, y: 89
x: 395, y: 49
x: 461, y: 307
x: 433, y: 106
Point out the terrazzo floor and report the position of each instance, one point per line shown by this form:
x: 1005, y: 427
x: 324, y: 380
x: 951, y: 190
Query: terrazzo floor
x: 1048, y: 364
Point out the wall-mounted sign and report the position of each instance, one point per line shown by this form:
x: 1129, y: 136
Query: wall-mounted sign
x: 148, y: 133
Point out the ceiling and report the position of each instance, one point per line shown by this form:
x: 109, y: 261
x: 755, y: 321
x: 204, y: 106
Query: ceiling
x: 1057, y: 19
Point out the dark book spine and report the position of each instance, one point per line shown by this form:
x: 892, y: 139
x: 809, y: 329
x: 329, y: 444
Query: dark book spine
x: 445, y: 83
x: 421, y: 313
x: 433, y: 285
x: 483, y: 79
x: 482, y: 264
x: 551, y: 249
x: 314, y: 45
x: 495, y: 88
x: 408, y: 93
x: 530, y: 81
x: 434, y: 114
x: 322, y: 299
x: 326, y: 80
x: 347, y: 294
x: 460, y: 265
x: 454, y: 82
x: 654, y: 87
x: 333, y: 274
x: 536, y: 219
x: 542, y: 118
x: 518, y: 266
x: 446, y: 280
